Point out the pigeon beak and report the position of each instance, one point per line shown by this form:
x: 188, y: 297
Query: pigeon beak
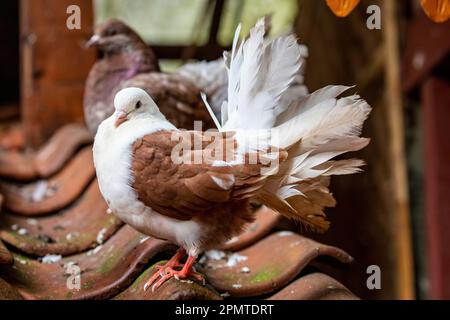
x: 120, y: 117
x: 92, y: 41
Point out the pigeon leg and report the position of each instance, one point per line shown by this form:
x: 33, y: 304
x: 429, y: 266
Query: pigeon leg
x: 174, y: 262
x: 184, y: 273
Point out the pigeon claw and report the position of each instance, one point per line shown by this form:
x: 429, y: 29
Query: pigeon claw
x: 162, y: 275
x: 167, y: 271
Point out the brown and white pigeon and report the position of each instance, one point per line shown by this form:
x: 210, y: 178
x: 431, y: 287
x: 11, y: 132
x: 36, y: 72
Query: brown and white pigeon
x: 125, y: 60
x: 194, y: 188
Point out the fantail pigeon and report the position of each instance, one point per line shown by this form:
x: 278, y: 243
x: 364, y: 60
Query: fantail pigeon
x: 194, y: 188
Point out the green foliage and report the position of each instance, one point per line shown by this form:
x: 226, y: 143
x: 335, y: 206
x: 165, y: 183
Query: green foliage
x: 187, y: 21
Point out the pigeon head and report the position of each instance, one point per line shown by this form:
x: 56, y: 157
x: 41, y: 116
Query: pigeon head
x: 114, y: 36
x: 134, y: 103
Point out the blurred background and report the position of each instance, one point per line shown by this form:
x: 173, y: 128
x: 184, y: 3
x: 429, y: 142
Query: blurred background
x: 395, y: 215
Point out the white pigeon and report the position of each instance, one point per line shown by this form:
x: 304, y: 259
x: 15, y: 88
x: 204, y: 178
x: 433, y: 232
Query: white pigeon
x: 194, y: 188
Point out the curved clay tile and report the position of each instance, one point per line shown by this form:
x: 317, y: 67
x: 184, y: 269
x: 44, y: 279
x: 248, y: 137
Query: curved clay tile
x: 267, y: 265
x: 5, y: 255
x: 80, y: 227
x: 57, y: 151
x: 171, y: 290
x: 7, y: 292
x: 12, y: 136
x: 258, y: 264
x: 17, y: 165
x: 103, y: 274
x: 314, y: 286
x: 25, y: 166
x: 45, y: 196
x: 265, y: 220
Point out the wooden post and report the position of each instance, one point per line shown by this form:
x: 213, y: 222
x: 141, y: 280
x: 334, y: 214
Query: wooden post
x: 54, y: 66
x: 396, y: 152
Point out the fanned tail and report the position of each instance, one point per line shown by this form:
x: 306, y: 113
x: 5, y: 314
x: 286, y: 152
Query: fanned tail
x: 259, y: 75
x: 312, y: 128
x: 323, y: 127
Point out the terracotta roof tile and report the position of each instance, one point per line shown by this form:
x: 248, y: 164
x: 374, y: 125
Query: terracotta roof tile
x: 11, y: 136
x: 20, y: 165
x: 267, y: 265
x: 7, y: 292
x: 71, y: 220
x: 171, y: 290
x: 5, y: 256
x: 69, y: 231
x: 266, y: 220
x: 103, y: 274
x: 57, y: 151
x: 64, y: 188
x: 314, y: 286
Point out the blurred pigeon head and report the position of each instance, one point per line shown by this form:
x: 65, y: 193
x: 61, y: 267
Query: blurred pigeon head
x: 114, y: 36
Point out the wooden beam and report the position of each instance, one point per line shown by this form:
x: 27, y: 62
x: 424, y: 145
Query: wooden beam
x: 435, y: 114
x: 396, y: 153
x: 54, y: 66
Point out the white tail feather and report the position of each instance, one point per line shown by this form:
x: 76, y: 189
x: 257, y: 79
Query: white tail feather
x: 313, y: 128
x: 260, y: 72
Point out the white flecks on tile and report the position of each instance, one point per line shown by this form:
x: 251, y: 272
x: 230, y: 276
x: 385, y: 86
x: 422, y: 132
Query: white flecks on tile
x: 234, y: 259
x: 295, y: 243
x: 15, y: 227
x: 253, y: 227
x: 186, y: 281
x: 101, y: 236
x: 72, y: 236
x: 39, y: 192
x: 32, y: 222
x: 331, y: 287
x: 213, y: 255
x: 69, y: 263
x: 97, y: 249
x: 144, y: 239
x: 225, y: 295
x: 22, y: 231
x: 50, y: 258
x: 231, y: 258
x: 232, y: 240
x: 94, y: 251
x: 245, y: 270
x: 236, y: 285
x: 20, y: 260
x: 285, y: 233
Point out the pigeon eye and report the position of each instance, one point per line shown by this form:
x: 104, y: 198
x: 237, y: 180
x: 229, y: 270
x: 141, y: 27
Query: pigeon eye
x: 138, y: 105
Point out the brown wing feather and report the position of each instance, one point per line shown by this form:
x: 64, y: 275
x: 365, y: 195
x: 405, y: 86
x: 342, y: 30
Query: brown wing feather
x: 183, y: 190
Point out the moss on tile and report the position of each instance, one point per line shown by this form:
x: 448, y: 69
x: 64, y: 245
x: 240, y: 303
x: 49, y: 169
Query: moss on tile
x: 69, y: 295
x: 264, y: 275
x: 88, y: 284
x: 109, y: 263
